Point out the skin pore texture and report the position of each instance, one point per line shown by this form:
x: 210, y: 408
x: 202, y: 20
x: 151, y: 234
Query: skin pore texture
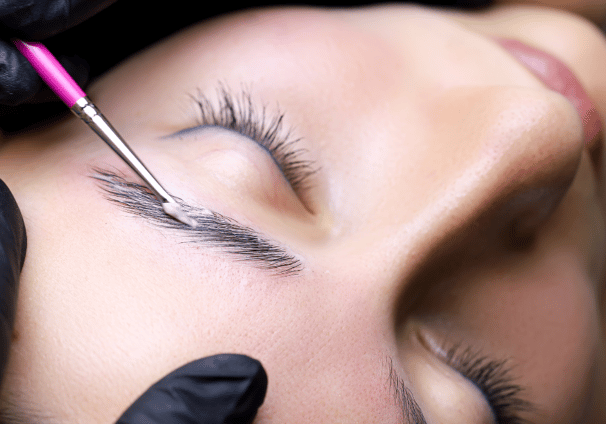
x: 368, y: 172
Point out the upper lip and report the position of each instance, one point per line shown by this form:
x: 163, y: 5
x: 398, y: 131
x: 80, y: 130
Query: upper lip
x: 557, y: 76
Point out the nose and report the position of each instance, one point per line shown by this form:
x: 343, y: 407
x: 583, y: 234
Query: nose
x: 519, y: 150
x: 501, y: 161
x: 488, y: 175
x: 495, y: 166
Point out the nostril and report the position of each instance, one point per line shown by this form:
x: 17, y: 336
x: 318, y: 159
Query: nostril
x: 527, y: 211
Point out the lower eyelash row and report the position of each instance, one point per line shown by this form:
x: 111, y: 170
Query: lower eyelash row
x: 494, y: 379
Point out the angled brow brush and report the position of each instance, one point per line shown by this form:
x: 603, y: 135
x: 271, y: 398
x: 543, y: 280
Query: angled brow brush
x: 57, y: 78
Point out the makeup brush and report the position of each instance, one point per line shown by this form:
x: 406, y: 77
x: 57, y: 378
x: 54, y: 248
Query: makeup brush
x: 57, y: 78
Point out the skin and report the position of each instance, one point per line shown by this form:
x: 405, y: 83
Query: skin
x: 429, y: 143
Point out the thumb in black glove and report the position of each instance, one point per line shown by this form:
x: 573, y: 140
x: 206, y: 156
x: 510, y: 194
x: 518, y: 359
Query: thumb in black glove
x: 220, y: 389
x: 12, y: 255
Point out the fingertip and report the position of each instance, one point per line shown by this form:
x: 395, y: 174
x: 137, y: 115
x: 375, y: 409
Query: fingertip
x: 220, y: 389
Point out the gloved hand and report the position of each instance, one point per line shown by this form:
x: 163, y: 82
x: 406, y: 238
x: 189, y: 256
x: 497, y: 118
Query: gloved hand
x: 218, y: 389
x: 36, y: 20
x: 12, y: 254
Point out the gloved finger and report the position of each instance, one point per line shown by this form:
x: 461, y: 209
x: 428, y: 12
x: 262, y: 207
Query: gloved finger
x: 39, y: 19
x: 12, y: 254
x: 220, y: 389
x: 19, y: 82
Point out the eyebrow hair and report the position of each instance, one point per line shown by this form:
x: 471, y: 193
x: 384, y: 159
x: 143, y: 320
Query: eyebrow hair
x: 214, y: 229
x: 410, y: 409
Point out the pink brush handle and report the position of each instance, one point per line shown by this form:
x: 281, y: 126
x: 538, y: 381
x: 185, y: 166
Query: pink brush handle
x: 51, y: 71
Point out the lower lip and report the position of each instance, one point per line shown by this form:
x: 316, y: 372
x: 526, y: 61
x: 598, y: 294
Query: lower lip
x: 558, y: 77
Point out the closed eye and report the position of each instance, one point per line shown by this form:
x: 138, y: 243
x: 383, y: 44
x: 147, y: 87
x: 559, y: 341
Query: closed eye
x: 237, y: 112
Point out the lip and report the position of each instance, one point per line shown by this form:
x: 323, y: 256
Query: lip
x: 558, y: 77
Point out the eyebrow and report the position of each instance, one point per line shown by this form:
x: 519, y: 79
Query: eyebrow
x: 214, y: 230
x: 410, y: 409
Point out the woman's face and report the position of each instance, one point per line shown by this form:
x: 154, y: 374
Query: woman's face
x: 401, y: 209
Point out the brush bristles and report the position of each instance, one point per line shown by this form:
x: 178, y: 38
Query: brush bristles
x: 175, y: 210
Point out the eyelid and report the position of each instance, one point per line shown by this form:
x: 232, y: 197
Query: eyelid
x: 238, y: 113
x: 227, y: 162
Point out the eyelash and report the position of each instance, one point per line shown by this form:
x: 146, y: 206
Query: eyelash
x: 238, y: 113
x: 494, y: 379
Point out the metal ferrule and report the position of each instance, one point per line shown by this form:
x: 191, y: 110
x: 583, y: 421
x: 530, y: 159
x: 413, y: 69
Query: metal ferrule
x: 88, y: 112
x: 85, y: 110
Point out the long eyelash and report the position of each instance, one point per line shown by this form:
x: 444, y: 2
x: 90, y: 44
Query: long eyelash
x: 494, y: 379
x: 238, y: 113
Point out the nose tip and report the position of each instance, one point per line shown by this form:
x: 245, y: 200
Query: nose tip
x: 521, y: 154
x: 537, y: 149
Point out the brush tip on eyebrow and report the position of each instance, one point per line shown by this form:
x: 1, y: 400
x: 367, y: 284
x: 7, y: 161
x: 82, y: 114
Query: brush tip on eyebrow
x: 176, y: 211
x: 213, y: 228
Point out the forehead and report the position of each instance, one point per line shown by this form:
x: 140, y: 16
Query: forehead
x: 285, y: 56
x: 312, y: 60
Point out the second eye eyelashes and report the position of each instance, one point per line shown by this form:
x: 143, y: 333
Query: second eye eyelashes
x: 237, y: 112
x: 493, y: 378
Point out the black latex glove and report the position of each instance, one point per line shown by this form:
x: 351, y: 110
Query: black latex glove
x: 12, y: 255
x: 36, y: 20
x: 220, y: 389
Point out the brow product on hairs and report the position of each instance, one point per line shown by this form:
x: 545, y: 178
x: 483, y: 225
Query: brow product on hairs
x: 63, y: 85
